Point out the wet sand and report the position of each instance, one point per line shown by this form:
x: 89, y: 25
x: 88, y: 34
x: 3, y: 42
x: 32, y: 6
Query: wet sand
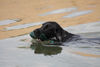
x: 30, y: 11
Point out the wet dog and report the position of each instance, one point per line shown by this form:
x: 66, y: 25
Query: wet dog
x: 53, y: 29
x: 42, y: 35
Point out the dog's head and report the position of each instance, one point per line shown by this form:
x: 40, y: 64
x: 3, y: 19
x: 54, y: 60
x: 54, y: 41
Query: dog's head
x: 53, y: 29
x: 38, y: 34
x: 50, y: 25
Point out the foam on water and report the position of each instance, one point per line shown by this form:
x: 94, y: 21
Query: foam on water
x: 75, y: 14
x: 23, y: 26
x: 5, y: 22
x: 59, y: 11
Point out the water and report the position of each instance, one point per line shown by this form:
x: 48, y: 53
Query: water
x: 17, y: 52
x: 75, y: 14
x: 23, y: 26
x: 9, y: 21
x: 44, y: 8
x: 84, y: 28
x: 12, y: 55
x: 59, y: 11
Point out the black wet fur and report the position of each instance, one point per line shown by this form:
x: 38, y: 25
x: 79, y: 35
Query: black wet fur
x: 53, y: 29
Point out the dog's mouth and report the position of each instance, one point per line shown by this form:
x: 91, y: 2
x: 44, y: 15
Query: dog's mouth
x: 32, y: 34
x: 42, y: 36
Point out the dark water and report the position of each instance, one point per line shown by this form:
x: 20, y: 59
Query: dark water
x: 46, y: 50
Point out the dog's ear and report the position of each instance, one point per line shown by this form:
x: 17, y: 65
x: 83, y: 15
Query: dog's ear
x: 44, y: 27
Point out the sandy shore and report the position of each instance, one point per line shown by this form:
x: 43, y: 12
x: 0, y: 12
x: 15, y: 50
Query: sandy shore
x: 29, y: 11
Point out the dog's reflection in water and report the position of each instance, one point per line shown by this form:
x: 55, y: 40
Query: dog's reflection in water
x: 46, y: 49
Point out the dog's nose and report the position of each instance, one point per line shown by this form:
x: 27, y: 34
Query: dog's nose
x: 33, y: 35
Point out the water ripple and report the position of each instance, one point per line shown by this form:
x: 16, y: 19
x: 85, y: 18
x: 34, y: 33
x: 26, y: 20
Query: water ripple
x: 9, y: 21
x: 75, y: 14
x: 59, y: 11
x: 23, y: 26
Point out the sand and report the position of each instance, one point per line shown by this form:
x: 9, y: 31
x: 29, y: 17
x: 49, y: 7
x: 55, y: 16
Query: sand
x: 30, y: 11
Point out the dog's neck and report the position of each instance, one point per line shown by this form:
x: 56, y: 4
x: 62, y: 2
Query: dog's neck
x: 67, y: 36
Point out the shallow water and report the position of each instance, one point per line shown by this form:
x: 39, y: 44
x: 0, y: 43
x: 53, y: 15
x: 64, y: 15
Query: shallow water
x: 9, y: 21
x: 59, y: 11
x: 75, y: 14
x: 17, y: 52
x: 84, y: 28
x: 23, y: 26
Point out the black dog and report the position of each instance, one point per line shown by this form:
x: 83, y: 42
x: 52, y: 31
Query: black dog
x: 53, y: 29
x: 42, y: 35
x: 37, y: 33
